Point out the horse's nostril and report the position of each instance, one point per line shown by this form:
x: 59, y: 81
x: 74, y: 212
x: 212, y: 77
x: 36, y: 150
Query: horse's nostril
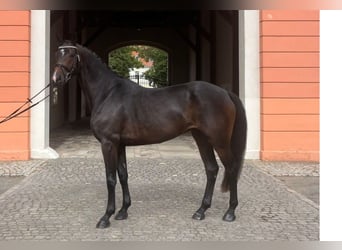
x: 56, y: 78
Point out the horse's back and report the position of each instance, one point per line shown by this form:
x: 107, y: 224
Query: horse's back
x: 197, y: 102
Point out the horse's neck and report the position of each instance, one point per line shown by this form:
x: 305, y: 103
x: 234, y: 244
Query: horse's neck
x: 92, y: 80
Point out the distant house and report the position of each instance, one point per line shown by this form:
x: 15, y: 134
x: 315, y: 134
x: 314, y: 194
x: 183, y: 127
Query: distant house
x: 138, y: 74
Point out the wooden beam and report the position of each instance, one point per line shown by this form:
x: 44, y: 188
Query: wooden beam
x: 186, y: 38
x: 213, y: 47
x: 198, y: 53
x: 93, y: 37
x: 201, y: 30
x: 235, y: 24
x: 228, y: 16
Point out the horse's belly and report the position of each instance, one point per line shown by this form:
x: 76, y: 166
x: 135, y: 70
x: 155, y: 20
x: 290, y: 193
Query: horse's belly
x: 145, y: 139
x: 153, y: 135
x: 156, y: 123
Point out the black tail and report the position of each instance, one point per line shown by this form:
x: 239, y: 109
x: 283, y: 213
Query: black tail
x: 238, y: 143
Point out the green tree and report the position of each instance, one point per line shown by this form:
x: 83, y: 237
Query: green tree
x: 158, y: 73
x: 122, y: 60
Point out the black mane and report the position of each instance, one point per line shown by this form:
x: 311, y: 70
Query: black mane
x: 90, y: 53
x: 99, y: 60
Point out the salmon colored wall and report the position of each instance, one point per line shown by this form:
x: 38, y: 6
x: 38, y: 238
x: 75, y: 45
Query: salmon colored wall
x: 289, y: 53
x: 14, y: 83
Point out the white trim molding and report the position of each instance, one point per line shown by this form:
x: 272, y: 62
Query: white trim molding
x: 249, y: 75
x: 39, y: 77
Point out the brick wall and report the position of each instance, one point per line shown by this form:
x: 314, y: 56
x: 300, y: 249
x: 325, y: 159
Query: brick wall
x: 289, y: 85
x: 14, y: 83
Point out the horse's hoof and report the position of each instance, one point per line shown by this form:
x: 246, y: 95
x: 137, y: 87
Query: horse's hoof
x: 103, y: 224
x: 230, y: 217
x: 198, y: 216
x: 122, y: 215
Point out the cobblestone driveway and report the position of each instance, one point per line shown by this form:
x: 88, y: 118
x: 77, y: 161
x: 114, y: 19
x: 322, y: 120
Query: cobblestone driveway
x: 63, y: 199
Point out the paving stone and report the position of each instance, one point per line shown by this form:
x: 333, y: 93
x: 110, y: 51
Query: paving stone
x: 71, y: 201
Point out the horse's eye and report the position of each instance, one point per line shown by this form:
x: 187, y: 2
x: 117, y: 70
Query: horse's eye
x: 62, y: 51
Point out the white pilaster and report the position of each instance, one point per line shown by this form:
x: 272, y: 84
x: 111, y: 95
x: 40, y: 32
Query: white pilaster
x: 249, y: 74
x: 40, y: 76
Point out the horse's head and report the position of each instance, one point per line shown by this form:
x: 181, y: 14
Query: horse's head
x: 67, y: 62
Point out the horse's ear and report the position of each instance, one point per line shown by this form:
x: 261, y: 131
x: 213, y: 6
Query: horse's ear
x: 71, y: 42
x: 58, y: 38
x: 74, y: 42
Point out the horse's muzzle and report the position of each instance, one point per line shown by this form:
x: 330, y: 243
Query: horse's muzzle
x: 58, y: 77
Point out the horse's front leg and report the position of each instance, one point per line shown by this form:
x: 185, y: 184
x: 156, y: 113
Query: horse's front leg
x: 123, y: 177
x: 110, y: 156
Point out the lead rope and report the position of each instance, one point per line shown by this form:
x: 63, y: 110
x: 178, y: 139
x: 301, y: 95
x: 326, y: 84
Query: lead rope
x: 19, y: 110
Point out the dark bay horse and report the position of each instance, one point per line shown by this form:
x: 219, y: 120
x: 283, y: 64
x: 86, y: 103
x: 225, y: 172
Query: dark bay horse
x: 125, y: 114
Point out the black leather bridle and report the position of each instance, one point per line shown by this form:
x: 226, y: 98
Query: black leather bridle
x: 29, y: 102
x: 66, y: 72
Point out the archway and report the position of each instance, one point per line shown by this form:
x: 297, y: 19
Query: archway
x: 203, y: 45
x: 146, y: 65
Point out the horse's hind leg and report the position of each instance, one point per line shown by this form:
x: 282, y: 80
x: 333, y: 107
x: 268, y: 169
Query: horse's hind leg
x: 211, y: 169
x: 123, y: 177
x: 232, y: 169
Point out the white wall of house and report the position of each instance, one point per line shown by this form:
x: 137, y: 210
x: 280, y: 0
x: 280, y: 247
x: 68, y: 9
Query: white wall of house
x: 137, y: 75
x: 40, y: 76
x: 249, y: 75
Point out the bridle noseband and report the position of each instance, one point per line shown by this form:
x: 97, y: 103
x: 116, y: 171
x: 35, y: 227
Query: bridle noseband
x: 66, y: 72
